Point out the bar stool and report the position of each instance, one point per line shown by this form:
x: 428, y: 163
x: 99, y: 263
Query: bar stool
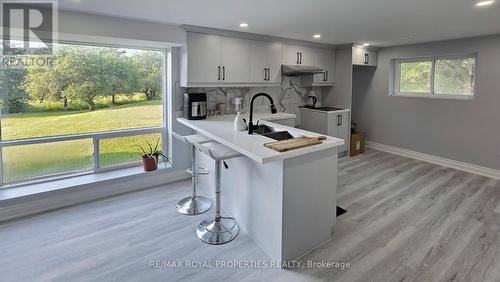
x: 219, y: 230
x: 194, y: 204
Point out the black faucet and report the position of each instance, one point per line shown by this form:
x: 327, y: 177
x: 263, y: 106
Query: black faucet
x: 251, y: 127
x: 314, y: 100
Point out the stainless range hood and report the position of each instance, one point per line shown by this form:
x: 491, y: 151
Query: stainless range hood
x: 298, y: 70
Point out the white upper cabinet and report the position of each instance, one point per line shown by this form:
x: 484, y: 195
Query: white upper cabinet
x: 297, y: 55
x: 364, y: 56
x: 290, y: 55
x: 325, y: 59
x: 203, y: 58
x: 265, y: 62
x: 307, y: 56
x: 235, y: 60
x: 215, y: 60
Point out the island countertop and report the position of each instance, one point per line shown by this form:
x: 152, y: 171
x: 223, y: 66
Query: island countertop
x: 220, y: 129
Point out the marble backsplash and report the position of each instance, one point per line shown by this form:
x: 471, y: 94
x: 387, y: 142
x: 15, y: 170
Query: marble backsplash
x: 287, y: 98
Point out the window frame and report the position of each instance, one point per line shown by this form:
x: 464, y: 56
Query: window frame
x: 396, y: 77
x: 163, y: 129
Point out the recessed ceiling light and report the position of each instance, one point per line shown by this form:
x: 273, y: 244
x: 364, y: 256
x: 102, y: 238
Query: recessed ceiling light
x: 317, y: 36
x: 366, y: 44
x: 482, y: 3
x: 243, y: 25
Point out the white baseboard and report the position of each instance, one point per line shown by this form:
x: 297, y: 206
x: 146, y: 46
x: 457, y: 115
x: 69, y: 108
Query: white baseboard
x: 87, y: 193
x: 480, y: 170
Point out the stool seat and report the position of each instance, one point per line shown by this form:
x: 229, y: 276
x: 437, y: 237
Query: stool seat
x: 196, y: 138
x: 218, y: 151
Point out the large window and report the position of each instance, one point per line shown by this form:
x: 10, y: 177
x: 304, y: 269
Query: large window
x: 435, y: 77
x: 86, y: 113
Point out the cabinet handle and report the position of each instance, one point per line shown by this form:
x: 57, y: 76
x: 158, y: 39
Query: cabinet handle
x: 341, y: 119
x: 367, y: 59
x: 338, y: 120
x: 297, y: 58
x: 223, y: 73
x: 268, y: 74
x: 301, y: 58
x: 265, y: 73
x: 218, y: 73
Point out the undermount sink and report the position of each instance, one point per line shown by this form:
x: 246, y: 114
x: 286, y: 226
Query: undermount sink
x: 273, y: 133
x: 263, y: 129
x: 279, y: 135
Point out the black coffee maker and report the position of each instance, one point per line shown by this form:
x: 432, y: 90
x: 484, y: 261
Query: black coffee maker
x: 195, y: 106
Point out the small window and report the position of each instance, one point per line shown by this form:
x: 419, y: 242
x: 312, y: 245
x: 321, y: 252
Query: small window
x: 435, y: 77
x: 415, y: 77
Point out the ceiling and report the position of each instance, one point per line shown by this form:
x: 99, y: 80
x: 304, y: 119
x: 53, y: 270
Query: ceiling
x: 381, y: 22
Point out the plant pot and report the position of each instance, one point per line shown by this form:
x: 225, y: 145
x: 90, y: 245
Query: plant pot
x: 149, y: 164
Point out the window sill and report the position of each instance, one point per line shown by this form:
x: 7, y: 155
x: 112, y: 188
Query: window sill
x: 20, y: 193
x: 435, y: 96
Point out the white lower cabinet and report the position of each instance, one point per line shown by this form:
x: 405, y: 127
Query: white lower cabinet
x: 338, y: 126
x: 334, y: 124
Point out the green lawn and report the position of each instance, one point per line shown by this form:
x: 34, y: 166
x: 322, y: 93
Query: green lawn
x: 28, y: 161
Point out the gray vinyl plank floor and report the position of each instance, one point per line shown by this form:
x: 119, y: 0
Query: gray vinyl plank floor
x: 407, y: 221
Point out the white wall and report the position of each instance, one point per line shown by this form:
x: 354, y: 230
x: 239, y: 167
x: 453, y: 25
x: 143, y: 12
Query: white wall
x: 466, y: 131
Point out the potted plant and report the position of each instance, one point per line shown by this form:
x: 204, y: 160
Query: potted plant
x: 157, y: 154
x: 151, y: 158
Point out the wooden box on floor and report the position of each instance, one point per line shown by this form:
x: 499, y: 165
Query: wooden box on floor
x: 357, y: 144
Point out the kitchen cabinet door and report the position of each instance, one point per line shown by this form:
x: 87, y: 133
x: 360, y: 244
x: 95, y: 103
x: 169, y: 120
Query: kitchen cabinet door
x: 306, y: 56
x: 290, y: 55
x: 265, y: 62
x: 364, y: 57
x: 338, y: 126
x: 314, y: 121
x: 298, y: 55
x: 324, y: 59
x: 204, y: 58
x: 235, y: 60
x: 372, y: 58
x: 274, y: 62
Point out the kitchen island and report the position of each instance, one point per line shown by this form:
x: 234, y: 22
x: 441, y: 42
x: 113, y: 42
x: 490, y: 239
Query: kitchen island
x: 286, y: 202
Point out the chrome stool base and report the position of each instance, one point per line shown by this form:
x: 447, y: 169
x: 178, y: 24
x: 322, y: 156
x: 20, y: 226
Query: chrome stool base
x: 218, y: 231
x: 201, y: 171
x: 194, y: 205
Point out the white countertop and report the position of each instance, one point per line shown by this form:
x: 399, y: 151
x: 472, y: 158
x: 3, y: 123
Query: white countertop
x: 220, y: 129
x: 325, y: 112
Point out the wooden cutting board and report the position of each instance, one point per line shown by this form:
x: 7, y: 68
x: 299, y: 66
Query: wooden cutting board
x: 295, y: 143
